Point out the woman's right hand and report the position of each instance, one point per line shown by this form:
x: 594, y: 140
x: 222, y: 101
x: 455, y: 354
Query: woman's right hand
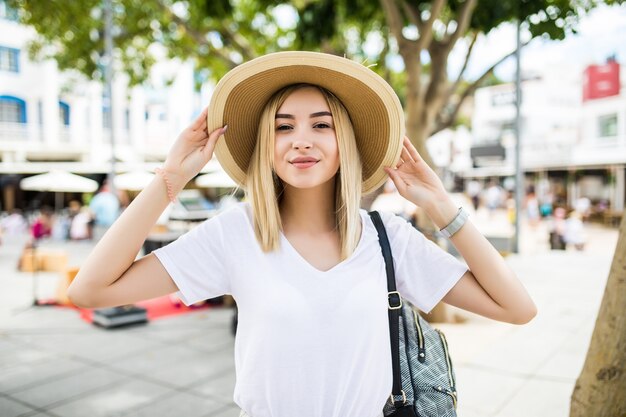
x: 192, y: 151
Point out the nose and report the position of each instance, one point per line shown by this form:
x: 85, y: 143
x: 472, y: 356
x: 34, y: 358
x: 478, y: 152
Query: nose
x: 300, y: 142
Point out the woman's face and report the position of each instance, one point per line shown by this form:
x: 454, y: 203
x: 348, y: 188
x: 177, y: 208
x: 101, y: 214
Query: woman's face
x: 305, y: 153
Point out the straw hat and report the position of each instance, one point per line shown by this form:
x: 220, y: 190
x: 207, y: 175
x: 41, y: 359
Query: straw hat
x: 373, y: 106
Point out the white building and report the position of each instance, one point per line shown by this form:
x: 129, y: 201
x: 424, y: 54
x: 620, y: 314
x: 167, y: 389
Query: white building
x: 571, y: 147
x: 51, y: 119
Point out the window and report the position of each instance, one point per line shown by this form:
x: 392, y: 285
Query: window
x: 607, y: 125
x: 12, y: 110
x: 9, y: 59
x: 7, y: 12
x: 106, y: 117
x: 64, y: 113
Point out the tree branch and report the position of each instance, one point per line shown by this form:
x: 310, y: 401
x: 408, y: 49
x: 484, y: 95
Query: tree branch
x: 426, y: 34
x: 444, y: 124
x: 394, y: 20
x: 463, y: 21
x: 413, y: 13
x: 239, y: 41
x: 456, y: 84
x: 197, y: 36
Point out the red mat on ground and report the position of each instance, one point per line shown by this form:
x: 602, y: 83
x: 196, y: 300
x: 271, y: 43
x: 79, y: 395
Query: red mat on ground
x: 157, y: 308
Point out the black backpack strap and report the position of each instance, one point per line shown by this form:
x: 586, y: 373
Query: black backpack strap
x: 394, y: 304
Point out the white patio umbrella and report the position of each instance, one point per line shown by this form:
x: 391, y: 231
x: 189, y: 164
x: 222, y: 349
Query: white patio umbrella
x: 217, y: 179
x: 133, y: 181
x: 58, y: 181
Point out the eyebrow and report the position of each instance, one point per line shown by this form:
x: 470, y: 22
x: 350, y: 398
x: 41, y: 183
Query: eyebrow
x: 312, y: 115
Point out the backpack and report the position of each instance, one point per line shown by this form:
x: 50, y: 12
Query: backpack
x: 424, y: 383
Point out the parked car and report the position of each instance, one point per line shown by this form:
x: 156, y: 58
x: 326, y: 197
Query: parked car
x: 191, y: 205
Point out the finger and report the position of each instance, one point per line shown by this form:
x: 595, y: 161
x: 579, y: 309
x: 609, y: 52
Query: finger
x: 405, y: 156
x: 207, y: 151
x: 395, y: 177
x: 412, y: 151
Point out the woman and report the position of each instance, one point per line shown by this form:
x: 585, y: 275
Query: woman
x: 307, y: 133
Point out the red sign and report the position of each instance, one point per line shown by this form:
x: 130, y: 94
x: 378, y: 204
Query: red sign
x: 601, y: 81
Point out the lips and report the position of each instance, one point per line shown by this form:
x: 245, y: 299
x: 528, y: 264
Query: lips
x: 303, y: 162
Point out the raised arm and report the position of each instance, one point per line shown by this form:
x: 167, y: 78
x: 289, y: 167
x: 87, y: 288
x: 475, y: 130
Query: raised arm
x: 110, y: 276
x: 490, y: 288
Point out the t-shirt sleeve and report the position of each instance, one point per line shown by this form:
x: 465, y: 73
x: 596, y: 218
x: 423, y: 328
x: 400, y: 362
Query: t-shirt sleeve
x: 424, y: 271
x: 197, y: 262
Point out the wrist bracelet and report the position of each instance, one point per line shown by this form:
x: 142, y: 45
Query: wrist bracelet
x: 456, y: 223
x: 168, y: 185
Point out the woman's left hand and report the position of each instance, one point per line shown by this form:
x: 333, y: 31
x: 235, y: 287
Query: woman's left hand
x: 415, y: 180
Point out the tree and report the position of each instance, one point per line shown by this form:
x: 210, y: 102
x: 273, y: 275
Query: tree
x: 423, y: 34
x: 216, y: 34
x: 601, y: 386
x: 219, y: 34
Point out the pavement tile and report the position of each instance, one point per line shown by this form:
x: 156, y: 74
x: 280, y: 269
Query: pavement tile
x: 157, y: 356
x: 92, y: 343
x: 112, y: 401
x: 50, y: 354
x: 13, y: 353
x: 198, y: 366
x: 225, y: 412
x: 178, y: 404
x: 539, y: 398
x: 68, y: 387
x: 519, y: 353
x: 485, y: 391
x: 219, y: 386
x: 31, y: 374
x: 218, y: 339
x: 11, y: 408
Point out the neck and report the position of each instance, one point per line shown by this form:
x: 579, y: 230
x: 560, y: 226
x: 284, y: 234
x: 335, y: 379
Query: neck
x: 309, y: 210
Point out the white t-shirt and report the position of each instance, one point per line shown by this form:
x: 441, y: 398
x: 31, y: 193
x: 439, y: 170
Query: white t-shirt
x: 309, y: 343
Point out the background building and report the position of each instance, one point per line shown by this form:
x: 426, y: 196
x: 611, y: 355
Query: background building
x: 573, y: 133
x: 51, y: 119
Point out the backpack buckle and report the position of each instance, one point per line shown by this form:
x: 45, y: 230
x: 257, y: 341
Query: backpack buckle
x: 393, y: 401
x: 394, y: 301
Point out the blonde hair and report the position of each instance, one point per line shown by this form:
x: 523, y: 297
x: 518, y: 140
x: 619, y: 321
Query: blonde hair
x: 264, y: 189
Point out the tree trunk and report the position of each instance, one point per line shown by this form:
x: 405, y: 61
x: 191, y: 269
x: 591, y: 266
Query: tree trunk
x: 601, y: 386
x: 416, y: 130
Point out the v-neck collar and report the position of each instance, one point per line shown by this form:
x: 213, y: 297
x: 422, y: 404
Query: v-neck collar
x: 289, y: 247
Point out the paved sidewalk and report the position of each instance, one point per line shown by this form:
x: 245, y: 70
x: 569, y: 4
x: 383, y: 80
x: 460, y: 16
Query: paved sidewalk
x: 54, y: 364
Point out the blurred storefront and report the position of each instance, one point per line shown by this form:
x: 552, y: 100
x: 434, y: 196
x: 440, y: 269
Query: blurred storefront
x: 573, y: 136
x: 51, y: 119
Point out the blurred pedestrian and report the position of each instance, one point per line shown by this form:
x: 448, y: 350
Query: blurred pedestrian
x: 105, y: 208
x: 556, y: 229
x: 42, y: 226
x: 14, y: 224
x: 392, y: 202
x: 546, y: 204
x: 80, y: 228
x: 493, y: 197
x: 574, y: 233
x: 532, y: 209
x: 473, y: 191
x: 300, y: 258
x: 582, y: 205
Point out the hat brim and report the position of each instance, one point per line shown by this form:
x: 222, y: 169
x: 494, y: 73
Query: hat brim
x: 374, y: 108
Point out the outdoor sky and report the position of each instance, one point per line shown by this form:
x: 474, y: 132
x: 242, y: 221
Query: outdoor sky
x: 602, y: 33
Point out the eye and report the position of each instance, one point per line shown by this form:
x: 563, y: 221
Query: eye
x: 283, y: 127
x: 322, y: 125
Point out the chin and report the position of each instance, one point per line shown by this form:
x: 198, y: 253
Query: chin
x: 307, y: 183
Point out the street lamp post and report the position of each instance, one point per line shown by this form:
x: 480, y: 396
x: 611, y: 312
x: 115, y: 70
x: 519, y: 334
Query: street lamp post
x: 108, y: 85
x: 519, y: 177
